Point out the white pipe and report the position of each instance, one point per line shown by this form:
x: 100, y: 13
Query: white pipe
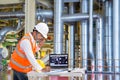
x: 58, y: 27
x: 43, y: 13
x: 91, y: 52
x: 108, y: 36
x: 72, y: 38
x: 84, y: 36
x: 116, y: 35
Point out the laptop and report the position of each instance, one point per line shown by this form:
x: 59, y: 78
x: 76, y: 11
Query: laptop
x: 58, y: 61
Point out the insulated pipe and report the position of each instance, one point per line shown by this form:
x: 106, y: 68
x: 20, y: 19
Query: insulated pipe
x: 5, y: 30
x: 108, y: 36
x: 74, y: 17
x: 72, y: 45
x: 72, y: 37
x: 77, y: 17
x: 84, y: 34
x: 58, y: 27
x: 99, y: 48
x: 12, y: 15
x: 91, y: 52
x: 44, y: 13
x: 116, y: 35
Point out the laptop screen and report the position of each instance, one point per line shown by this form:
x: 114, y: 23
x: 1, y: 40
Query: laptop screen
x: 58, y: 60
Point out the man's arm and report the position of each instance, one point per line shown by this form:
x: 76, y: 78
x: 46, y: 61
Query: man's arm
x: 26, y: 47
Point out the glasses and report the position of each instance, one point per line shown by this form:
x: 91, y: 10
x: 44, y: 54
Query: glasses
x: 41, y: 38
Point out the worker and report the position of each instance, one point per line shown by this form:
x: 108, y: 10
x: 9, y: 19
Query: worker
x: 23, y: 57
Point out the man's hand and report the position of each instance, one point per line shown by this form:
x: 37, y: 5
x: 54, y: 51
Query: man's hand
x: 46, y: 69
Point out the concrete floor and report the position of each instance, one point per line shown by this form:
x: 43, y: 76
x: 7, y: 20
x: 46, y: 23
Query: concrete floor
x: 5, y: 75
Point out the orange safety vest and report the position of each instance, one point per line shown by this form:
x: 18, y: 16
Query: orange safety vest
x: 19, y: 61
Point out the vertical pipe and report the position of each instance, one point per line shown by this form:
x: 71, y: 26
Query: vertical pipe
x: 108, y: 36
x: 72, y: 37
x: 99, y: 47
x: 116, y: 36
x: 58, y: 27
x: 84, y: 36
x: 91, y: 52
x: 72, y: 40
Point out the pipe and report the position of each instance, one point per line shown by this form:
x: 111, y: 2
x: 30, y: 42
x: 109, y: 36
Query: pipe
x: 74, y: 17
x: 58, y: 27
x: 99, y: 44
x: 77, y: 17
x: 43, y: 13
x: 91, y: 52
x: 84, y: 34
x: 12, y: 15
x: 108, y: 36
x: 99, y: 47
x: 72, y: 45
x: 5, y: 30
x: 116, y: 35
x: 72, y: 37
x: 91, y: 27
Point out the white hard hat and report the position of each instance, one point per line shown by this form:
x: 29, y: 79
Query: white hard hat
x: 42, y: 28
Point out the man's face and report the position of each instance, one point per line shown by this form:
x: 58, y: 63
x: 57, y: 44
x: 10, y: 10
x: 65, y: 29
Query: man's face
x: 40, y: 39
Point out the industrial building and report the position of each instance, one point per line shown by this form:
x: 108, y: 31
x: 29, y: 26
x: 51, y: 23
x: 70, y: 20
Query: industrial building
x: 87, y: 31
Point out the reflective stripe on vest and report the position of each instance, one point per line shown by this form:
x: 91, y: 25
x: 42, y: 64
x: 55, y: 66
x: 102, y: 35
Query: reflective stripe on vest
x: 19, y: 53
x: 17, y: 64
